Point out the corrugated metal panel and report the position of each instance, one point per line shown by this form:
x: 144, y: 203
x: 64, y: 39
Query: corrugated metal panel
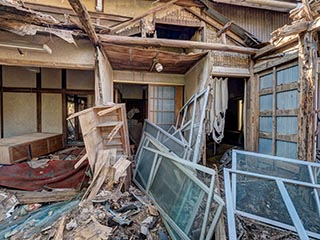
x: 286, y: 149
x: 266, y: 81
x: 287, y: 125
x: 265, y: 124
x: 261, y: 23
x: 287, y: 100
x: 288, y: 75
x: 265, y: 146
x: 265, y: 102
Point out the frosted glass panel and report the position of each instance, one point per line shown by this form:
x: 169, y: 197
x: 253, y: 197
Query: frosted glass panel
x: 266, y: 81
x: 288, y: 75
x: 287, y: 100
x: 265, y: 146
x: 265, y: 102
x: 265, y: 124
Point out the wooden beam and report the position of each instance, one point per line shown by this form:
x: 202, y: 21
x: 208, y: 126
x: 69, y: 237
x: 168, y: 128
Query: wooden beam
x: 225, y: 28
x: 156, y: 42
x: 307, y: 78
x: 151, y: 11
x: 84, y: 17
x: 279, y: 6
x: 274, y: 47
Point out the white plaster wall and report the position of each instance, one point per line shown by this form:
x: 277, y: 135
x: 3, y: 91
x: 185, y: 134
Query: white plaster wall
x: 18, y: 77
x: 51, y: 112
x: 51, y: 78
x: 19, y: 113
x: 80, y: 79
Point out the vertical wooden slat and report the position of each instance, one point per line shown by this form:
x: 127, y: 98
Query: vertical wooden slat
x: 64, y: 102
x: 1, y: 102
x: 178, y: 99
x: 274, y: 108
x: 39, y: 102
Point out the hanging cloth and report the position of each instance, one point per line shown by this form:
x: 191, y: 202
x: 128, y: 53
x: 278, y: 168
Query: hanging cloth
x: 218, y: 106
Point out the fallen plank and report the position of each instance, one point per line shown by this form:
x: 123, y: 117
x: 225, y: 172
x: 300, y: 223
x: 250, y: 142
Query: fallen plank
x: 82, y: 159
x: 59, y: 233
x: 121, y: 167
x: 29, y: 197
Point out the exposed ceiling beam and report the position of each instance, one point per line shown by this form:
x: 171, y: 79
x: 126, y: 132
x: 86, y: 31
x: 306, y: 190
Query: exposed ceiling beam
x: 157, y: 42
x: 279, y: 6
x: 84, y: 17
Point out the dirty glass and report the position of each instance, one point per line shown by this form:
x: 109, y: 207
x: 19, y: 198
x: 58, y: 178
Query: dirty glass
x: 261, y: 197
x: 256, y: 190
x: 183, y: 192
x: 170, y: 142
x: 269, y: 165
x: 304, y: 201
x: 191, y: 120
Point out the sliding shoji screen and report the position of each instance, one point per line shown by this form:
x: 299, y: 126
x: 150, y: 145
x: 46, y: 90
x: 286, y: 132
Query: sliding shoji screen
x: 278, y: 109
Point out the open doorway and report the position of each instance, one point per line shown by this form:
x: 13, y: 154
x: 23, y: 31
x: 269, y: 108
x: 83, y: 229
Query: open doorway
x: 135, y: 96
x: 76, y: 103
x: 233, y: 132
x: 234, y: 123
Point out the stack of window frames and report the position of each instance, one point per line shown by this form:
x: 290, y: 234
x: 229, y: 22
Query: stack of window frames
x: 274, y: 190
x: 182, y: 191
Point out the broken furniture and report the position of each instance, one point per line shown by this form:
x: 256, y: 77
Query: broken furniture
x: 278, y: 191
x: 182, y: 191
x: 28, y: 146
x: 104, y: 127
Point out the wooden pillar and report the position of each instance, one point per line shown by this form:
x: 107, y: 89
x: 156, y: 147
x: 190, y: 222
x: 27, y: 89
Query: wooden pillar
x: 307, y: 77
x: 64, y: 102
x: 1, y: 103
x: 252, y: 111
x: 39, y: 102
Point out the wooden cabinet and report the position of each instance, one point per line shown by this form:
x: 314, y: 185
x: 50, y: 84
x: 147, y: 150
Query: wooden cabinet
x: 19, y: 148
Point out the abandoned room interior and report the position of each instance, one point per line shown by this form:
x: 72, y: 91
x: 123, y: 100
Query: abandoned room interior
x: 166, y: 119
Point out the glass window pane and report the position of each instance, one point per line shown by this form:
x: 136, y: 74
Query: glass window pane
x: 287, y: 100
x: 265, y: 146
x: 266, y: 81
x: 286, y: 149
x: 288, y: 75
x: 265, y: 124
x: 287, y: 125
x: 265, y: 102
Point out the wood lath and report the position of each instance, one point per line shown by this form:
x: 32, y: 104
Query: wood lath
x: 138, y: 59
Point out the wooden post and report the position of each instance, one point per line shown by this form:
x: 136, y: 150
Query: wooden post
x: 64, y: 103
x: 307, y: 72
x: 39, y: 102
x: 1, y: 102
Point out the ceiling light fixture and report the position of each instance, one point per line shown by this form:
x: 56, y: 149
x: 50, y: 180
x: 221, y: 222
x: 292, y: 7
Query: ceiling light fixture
x: 156, y: 64
x: 159, y: 67
x: 27, y: 46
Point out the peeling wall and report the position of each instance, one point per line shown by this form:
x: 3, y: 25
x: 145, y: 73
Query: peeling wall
x: 20, y: 113
x: 64, y: 55
x: 197, y: 77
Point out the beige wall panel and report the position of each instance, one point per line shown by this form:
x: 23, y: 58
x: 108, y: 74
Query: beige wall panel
x: 79, y: 79
x: 64, y: 55
x: 51, y: 78
x: 18, y: 77
x: 19, y: 113
x: 51, y: 112
x: 148, y: 78
x: 90, y: 5
x: 197, y: 77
